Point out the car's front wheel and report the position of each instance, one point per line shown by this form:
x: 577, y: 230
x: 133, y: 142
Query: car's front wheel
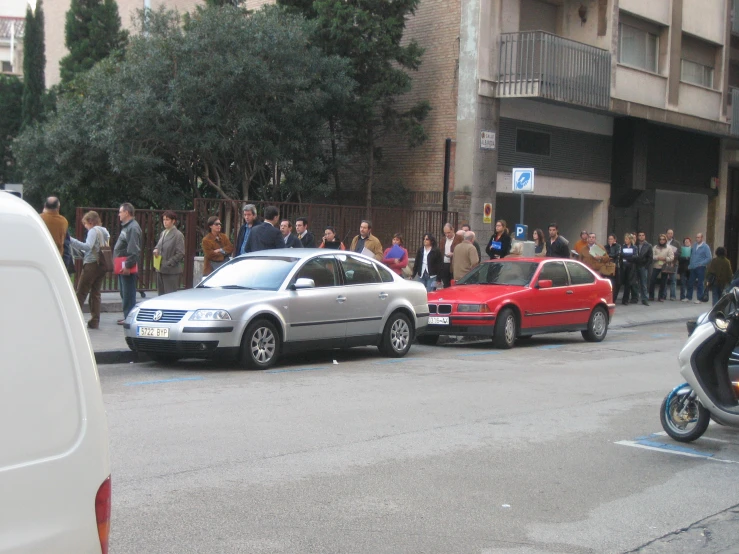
x: 260, y: 346
x: 597, y: 325
x: 397, y: 336
x: 505, y: 329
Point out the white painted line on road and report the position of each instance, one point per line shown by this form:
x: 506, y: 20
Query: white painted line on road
x: 680, y: 451
x: 703, y: 438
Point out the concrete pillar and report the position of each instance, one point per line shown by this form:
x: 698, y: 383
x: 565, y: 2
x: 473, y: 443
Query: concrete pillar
x: 477, y: 109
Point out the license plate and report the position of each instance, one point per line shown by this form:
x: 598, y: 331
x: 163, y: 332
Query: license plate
x: 156, y: 332
x: 437, y: 320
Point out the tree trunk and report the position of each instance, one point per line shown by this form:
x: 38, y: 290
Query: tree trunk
x: 370, y: 171
x: 334, y: 162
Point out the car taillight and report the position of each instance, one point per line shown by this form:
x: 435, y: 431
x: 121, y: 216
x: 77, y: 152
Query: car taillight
x: 102, y: 513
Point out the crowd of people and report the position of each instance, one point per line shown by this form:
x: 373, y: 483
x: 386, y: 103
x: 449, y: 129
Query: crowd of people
x: 644, y: 272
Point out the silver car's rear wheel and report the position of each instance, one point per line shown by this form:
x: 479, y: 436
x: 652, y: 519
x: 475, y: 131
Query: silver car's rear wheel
x: 397, y: 336
x: 261, y: 344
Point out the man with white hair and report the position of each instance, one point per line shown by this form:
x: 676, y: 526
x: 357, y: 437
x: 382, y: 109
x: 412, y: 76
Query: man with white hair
x: 465, y: 256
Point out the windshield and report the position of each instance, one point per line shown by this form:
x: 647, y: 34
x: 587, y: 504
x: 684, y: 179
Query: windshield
x: 500, y: 273
x: 724, y: 308
x: 262, y: 273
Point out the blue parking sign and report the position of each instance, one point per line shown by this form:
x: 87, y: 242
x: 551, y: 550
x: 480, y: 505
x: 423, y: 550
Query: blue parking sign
x: 521, y: 232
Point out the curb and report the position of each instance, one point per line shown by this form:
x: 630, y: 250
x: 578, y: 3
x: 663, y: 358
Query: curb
x: 651, y: 322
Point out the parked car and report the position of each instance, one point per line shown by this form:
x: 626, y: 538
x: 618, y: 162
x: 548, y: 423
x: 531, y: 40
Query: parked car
x: 261, y: 305
x: 55, y: 493
x: 516, y: 298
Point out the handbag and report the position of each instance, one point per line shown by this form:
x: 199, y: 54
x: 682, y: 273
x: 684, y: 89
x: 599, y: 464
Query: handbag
x: 704, y: 297
x: 105, y: 256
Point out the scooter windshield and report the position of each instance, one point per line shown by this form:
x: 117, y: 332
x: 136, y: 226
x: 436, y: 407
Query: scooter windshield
x: 725, y: 308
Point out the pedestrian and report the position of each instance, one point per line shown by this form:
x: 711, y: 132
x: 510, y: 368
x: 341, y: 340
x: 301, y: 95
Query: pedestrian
x: 628, y: 271
x: 427, y: 265
x: 465, y: 257
x: 171, y: 249
x: 90, y: 281
x: 672, y: 275
x: 593, y: 254
x: 683, y: 263
x: 540, y: 247
x: 614, y: 255
x: 216, y: 246
x: 643, y: 265
x: 582, y: 243
x: 700, y: 257
x: 466, y: 227
x: 250, y: 220
x: 516, y: 249
x: 290, y: 240
x: 127, y: 252
x: 393, y: 261
x: 450, y: 241
x: 55, y: 222
x: 330, y: 241
x: 718, y: 274
x: 499, y: 244
x: 662, y: 256
x: 557, y: 247
x: 366, y: 243
x: 306, y: 237
x: 266, y: 236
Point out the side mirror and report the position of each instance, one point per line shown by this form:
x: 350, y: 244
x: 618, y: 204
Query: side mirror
x: 304, y: 283
x: 545, y: 284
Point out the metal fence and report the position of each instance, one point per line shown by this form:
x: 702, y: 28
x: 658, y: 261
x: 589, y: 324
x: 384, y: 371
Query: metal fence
x: 536, y: 63
x: 412, y: 224
x: 151, y: 227
x: 193, y: 224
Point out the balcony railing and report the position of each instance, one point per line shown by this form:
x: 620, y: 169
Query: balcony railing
x: 735, y: 111
x: 539, y: 64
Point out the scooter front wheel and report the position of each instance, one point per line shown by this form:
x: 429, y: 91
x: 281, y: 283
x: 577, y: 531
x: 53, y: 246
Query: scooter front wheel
x: 682, y: 416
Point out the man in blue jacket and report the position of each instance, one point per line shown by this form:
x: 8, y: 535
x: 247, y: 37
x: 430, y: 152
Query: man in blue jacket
x: 267, y: 235
x: 700, y: 257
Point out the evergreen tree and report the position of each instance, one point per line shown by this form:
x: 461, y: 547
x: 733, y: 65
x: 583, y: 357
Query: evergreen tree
x: 11, y: 100
x: 92, y: 33
x: 34, y: 64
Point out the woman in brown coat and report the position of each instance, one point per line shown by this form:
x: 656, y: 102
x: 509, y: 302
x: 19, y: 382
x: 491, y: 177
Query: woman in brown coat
x: 216, y: 246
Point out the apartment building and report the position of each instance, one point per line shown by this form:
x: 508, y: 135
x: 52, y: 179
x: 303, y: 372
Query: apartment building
x: 11, y: 44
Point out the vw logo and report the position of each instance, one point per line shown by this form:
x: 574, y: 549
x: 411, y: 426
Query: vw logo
x: 158, y: 315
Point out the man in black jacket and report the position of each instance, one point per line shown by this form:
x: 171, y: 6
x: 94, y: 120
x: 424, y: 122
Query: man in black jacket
x: 290, y: 240
x: 266, y: 236
x: 643, y: 265
x: 306, y: 237
x: 556, y: 246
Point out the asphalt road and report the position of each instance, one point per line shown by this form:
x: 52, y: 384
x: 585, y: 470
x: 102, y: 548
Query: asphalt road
x: 453, y: 449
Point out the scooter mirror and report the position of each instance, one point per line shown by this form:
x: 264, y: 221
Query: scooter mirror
x: 735, y: 294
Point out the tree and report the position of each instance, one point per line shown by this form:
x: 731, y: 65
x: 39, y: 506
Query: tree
x: 92, y: 33
x: 369, y: 34
x: 11, y: 102
x: 34, y: 64
x: 229, y: 104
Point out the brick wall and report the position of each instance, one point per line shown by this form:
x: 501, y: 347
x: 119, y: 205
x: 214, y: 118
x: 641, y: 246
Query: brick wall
x: 435, y: 27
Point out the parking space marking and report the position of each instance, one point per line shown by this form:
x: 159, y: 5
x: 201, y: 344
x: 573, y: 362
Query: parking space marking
x: 647, y: 443
x: 398, y: 361
x: 294, y: 370
x: 158, y: 381
x: 549, y: 346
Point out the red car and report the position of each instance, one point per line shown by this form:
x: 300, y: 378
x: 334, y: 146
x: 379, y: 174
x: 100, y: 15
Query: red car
x: 520, y: 297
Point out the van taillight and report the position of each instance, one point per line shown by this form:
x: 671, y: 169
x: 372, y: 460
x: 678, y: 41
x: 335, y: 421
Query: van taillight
x: 102, y: 513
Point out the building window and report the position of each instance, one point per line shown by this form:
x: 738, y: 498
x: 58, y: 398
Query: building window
x: 696, y: 73
x: 7, y: 67
x: 638, y: 48
x: 533, y: 142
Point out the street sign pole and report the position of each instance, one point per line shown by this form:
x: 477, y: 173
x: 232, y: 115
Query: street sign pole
x: 523, y: 182
x: 521, y: 219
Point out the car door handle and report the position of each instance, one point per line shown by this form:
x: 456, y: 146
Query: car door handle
x: 383, y: 295
x: 341, y: 299
x: 570, y: 292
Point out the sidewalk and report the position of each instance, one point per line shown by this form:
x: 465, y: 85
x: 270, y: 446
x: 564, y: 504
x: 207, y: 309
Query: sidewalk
x: 110, y: 346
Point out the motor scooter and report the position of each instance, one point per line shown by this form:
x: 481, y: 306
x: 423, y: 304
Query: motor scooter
x: 710, y: 392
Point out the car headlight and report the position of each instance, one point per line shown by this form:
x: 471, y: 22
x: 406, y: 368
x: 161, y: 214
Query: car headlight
x: 210, y: 315
x: 473, y: 308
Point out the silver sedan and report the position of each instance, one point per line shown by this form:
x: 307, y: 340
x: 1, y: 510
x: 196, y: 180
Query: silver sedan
x: 264, y: 304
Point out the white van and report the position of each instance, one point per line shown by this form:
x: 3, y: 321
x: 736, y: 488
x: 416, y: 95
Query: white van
x: 54, y: 460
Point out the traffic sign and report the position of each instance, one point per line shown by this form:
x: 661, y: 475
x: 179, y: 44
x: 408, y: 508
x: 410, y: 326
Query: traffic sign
x: 522, y: 231
x: 487, y: 213
x: 523, y: 179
